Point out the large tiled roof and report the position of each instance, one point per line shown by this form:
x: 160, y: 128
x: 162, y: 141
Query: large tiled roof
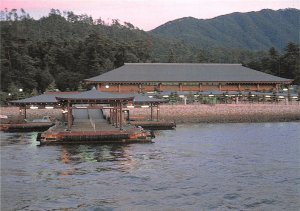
x: 184, y: 72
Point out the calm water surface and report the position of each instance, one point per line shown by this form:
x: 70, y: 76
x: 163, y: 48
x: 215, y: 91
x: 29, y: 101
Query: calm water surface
x: 195, y: 167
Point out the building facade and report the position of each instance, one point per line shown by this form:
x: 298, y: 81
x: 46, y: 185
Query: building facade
x: 159, y: 77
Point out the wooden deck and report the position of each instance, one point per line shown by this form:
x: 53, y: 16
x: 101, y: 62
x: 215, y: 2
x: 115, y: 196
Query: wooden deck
x: 86, y: 132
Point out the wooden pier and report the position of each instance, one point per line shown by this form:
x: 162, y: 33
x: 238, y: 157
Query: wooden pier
x: 84, y: 132
x: 84, y: 121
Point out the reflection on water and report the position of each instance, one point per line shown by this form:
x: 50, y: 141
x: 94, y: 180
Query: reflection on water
x: 208, y: 166
x: 76, y: 154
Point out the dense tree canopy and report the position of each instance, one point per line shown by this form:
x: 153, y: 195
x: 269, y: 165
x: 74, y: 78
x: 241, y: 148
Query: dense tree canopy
x: 286, y: 65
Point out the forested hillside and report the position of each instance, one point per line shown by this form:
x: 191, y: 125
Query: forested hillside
x: 253, y: 30
x: 62, y: 49
x: 66, y: 48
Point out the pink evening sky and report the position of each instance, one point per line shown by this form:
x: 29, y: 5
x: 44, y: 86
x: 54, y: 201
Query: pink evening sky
x: 147, y: 14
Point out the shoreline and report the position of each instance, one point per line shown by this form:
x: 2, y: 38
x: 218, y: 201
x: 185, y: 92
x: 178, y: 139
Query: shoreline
x: 224, y: 113
x: 197, y: 113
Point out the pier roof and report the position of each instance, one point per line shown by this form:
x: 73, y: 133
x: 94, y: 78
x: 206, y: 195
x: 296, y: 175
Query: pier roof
x: 185, y: 72
x: 96, y: 96
x: 47, y: 98
x: 53, y: 98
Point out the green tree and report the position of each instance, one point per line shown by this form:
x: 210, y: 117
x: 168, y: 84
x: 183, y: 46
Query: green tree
x: 172, y: 57
x: 68, y: 80
x: 51, y: 87
x: 291, y: 62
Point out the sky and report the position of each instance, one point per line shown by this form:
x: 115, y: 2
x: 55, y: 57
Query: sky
x: 147, y: 14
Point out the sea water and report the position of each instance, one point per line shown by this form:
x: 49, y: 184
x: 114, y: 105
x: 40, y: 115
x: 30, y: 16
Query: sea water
x: 245, y: 166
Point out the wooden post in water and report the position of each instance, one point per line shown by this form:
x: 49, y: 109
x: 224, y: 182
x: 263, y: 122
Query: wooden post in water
x: 69, y: 116
x: 151, y: 106
x: 116, y: 116
x: 110, y: 120
x: 120, y: 115
x: 113, y: 115
x: 25, y: 115
x: 157, y: 114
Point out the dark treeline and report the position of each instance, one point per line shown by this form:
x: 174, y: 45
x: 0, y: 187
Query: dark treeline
x: 62, y: 49
x: 285, y: 64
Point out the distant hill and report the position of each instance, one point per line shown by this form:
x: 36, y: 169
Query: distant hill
x: 252, y: 31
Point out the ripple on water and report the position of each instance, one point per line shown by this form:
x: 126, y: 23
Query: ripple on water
x: 231, y: 196
x: 259, y: 203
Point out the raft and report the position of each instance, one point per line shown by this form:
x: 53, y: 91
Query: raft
x: 88, y: 137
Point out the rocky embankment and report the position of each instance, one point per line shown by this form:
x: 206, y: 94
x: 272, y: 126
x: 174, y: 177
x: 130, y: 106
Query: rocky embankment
x: 224, y: 113
x: 192, y: 113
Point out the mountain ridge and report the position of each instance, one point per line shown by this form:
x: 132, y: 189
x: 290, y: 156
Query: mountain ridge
x: 252, y: 30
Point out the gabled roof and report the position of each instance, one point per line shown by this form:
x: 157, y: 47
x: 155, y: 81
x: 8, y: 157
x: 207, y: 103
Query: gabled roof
x: 47, y: 98
x: 91, y: 95
x: 95, y: 95
x: 185, y: 72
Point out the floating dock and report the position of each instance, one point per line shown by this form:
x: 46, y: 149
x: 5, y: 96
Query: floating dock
x: 84, y: 130
x: 26, y: 126
x: 89, y: 137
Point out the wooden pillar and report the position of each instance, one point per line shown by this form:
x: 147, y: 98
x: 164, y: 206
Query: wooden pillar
x: 151, y: 107
x: 140, y: 88
x: 25, y: 115
x: 277, y: 88
x: 113, y: 116
x: 157, y: 112
x: 121, y: 116
x: 69, y: 116
x: 200, y: 87
x: 119, y: 87
x: 220, y: 87
x: 289, y: 93
x: 62, y: 113
x: 116, y: 117
x: 110, y: 116
x: 180, y: 87
x: 239, y: 87
x: 159, y: 86
x: 98, y: 86
x: 257, y: 87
